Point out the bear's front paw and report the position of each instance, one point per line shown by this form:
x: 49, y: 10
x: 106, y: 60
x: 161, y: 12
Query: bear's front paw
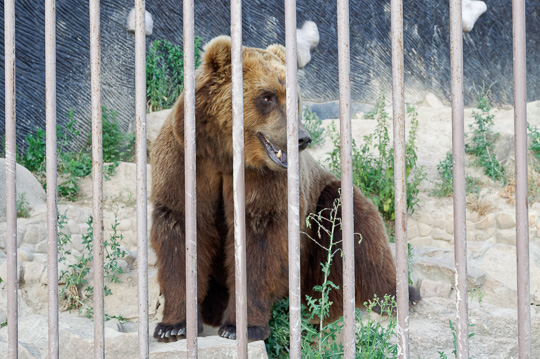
x: 172, y: 332
x: 254, y: 333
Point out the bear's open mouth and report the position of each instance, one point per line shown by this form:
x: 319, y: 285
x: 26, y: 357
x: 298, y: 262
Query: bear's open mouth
x: 274, y: 152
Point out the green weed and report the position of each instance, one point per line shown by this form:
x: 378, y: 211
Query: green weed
x: 77, y: 293
x: 442, y: 355
x: 313, y: 124
x: 23, y: 208
x: 165, y: 73
x: 444, y: 186
x: 534, y: 134
x: 373, y: 162
x: 481, y: 143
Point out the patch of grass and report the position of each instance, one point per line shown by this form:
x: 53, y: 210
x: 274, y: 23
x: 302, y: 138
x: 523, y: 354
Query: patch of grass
x: 373, y: 162
x: 444, y: 186
x: 313, y: 124
x: 23, y: 208
x: 77, y: 293
x: 482, y: 139
x: 165, y: 73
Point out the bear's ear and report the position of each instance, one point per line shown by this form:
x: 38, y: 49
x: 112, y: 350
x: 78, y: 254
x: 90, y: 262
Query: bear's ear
x: 279, y: 51
x: 217, y: 53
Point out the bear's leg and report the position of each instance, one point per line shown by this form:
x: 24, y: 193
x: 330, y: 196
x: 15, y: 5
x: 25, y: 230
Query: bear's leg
x: 168, y: 241
x: 375, y: 271
x: 267, y: 279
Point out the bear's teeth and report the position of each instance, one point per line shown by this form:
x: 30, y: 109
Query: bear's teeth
x: 279, y: 154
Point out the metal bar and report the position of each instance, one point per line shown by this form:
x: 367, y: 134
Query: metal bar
x: 400, y: 180
x: 458, y: 151
x: 11, y: 192
x: 293, y: 181
x: 142, y: 239
x: 522, y: 212
x: 52, y: 230
x: 97, y: 181
x: 349, y: 303
x: 190, y: 179
x: 239, y: 179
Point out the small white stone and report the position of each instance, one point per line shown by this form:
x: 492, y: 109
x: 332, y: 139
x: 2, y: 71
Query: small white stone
x: 431, y: 288
x: 471, y: 10
x: 148, y: 22
x: 506, y: 221
x: 424, y: 229
x: 307, y: 38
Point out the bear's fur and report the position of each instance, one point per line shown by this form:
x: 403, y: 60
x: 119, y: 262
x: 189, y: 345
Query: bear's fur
x: 265, y: 199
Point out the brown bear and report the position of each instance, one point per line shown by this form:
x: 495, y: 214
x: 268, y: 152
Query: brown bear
x: 266, y: 203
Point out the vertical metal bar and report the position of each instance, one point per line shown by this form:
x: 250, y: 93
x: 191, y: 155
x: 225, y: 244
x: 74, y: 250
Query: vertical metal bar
x: 190, y: 179
x: 349, y: 303
x: 400, y: 180
x: 293, y: 180
x: 140, y: 114
x: 97, y: 180
x: 238, y: 179
x: 522, y: 212
x: 458, y: 150
x: 52, y: 230
x: 11, y: 192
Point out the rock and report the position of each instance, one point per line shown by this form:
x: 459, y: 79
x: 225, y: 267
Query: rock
x: 437, y: 233
x: 154, y: 121
x: 33, y: 272
x: 412, y: 232
x: 26, y: 184
x: 506, y: 236
x: 470, y: 12
x: 430, y: 288
x: 148, y: 22
x: 486, y: 222
x: 307, y: 38
x: 433, y: 101
x: 35, y: 233
x: 506, y: 221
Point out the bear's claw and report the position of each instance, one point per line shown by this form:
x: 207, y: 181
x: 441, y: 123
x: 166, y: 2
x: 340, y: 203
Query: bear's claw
x: 254, y: 333
x: 171, y: 332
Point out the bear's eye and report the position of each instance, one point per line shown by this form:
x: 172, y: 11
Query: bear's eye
x: 269, y: 99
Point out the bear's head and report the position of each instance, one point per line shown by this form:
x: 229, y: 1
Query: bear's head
x: 265, y: 108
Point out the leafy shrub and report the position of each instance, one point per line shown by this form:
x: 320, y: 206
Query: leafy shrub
x: 23, y: 208
x: 534, y: 134
x: 77, y: 293
x: 373, y: 162
x: 482, y: 139
x: 165, y: 73
x: 313, y: 124
x: 444, y: 187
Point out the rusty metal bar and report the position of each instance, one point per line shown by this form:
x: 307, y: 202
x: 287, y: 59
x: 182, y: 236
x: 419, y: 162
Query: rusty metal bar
x: 344, y: 61
x: 238, y: 179
x: 400, y: 180
x: 11, y: 191
x: 190, y: 179
x: 52, y: 230
x: 140, y: 115
x: 458, y: 151
x: 522, y: 212
x: 293, y: 181
x: 97, y: 181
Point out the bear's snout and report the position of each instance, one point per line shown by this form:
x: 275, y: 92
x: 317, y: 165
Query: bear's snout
x: 304, y: 139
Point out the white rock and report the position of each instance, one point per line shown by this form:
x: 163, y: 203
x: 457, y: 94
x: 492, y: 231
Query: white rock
x: 154, y: 121
x: 506, y: 221
x: 471, y: 10
x: 506, y: 236
x: 148, y: 22
x: 433, y: 101
x: 307, y: 38
x: 431, y: 288
x: 26, y: 183
x: 35, y: 233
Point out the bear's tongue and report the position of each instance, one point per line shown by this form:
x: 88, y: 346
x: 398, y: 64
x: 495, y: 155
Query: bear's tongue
x: 275, y: 154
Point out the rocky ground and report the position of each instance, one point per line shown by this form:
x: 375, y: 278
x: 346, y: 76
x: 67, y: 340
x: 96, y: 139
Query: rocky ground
x: 491, y: 258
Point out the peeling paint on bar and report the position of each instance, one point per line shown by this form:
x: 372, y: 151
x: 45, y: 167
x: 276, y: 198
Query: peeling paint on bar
x: 142, y: 234
x: 458, y: 151
x: 11, y: 192
x: 344, y: 61
x: 52, y: 208
x: 293, y: 181
x: 190, y: 179
x: 239, y: 180
x: 400, y: 187
x: 522, y: 213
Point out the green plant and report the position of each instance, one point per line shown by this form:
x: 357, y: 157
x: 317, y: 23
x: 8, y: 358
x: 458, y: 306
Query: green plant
x: 34, y: 157
x: 476, y: 293
x: 373, y: 162
x: 165, y: 73
x: 444, y: 186
x: 23, y: 208
x: 442, y: 355
x: 313, y: 124
x: 76, y: 291
x: 534, y: 134
x: 481, y: 143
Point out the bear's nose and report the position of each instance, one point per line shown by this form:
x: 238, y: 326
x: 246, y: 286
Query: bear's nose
x: 304, y: 139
